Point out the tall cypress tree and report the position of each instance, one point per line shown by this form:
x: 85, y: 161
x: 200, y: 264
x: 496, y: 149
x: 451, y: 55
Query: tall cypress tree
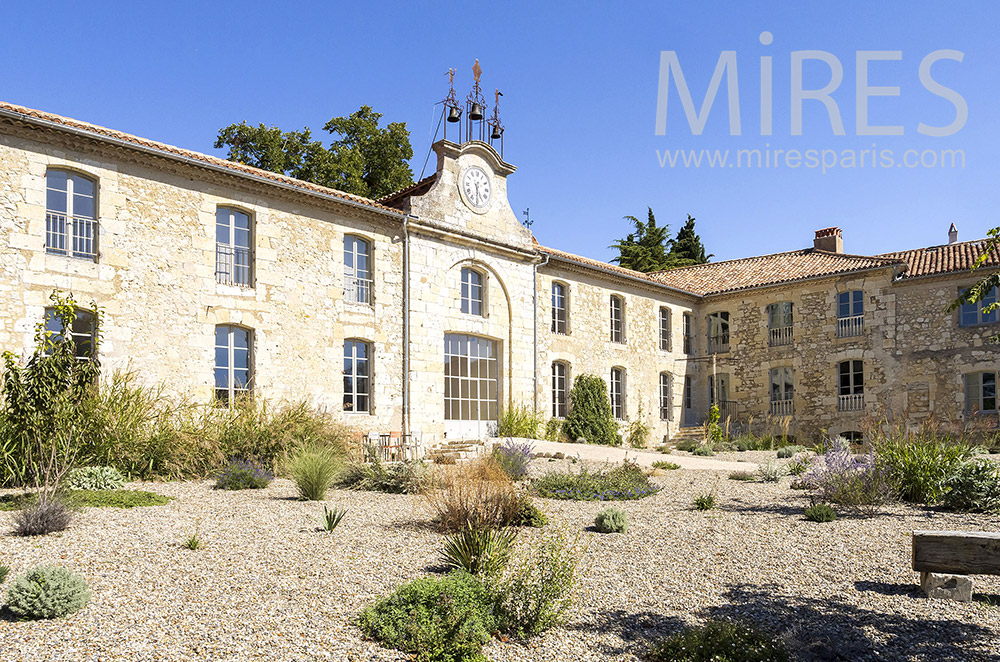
x: 646, y: 249
x: 687, y: 248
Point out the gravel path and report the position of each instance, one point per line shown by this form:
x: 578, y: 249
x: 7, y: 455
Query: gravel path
x: 598, y: 453
x: 268, y: 586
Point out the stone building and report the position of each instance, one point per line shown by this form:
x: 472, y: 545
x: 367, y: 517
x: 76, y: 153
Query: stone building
x: 430, y: 310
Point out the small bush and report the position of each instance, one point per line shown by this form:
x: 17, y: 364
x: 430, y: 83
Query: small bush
x: 743, y: 476
x: 919, y: 466
x: 590, y: 415
x: 409, y: 477
x: 331, y: 518
x: 243, y: 475
x: 769, y: 472
x: 553, y: 429
x: 624, y: 482
x: 688, y: 445
x: 713, y: 431
x: 704, y: 450
x: 611, y: 520
x: 718, y: 641
x: 637, y: 431
x: 705, y: 501
x: 514, y: 457
x: 820, y: 512
x: 477, y: 493
x: 847, y: 479
x: 520, y: 421
x: 47, y: 592
x: 667, y: 466
x: 529, y: 515
x: 798, y: 465
x: 94, y: 478
x: 313, y: 470
x: 789, y: 451
x: 444, y: 619
x: 975, y: 487
x: 42, y: 517
x: 478, y: 551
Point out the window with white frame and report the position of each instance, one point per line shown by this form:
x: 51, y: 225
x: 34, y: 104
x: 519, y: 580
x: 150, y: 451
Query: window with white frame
x: 618, y: 393
x: 559, y: 308
x: 559, y: 392
x: 779, y: 324
x: 233, y: 247
x: 82, y: 332
x: 472, y: 292
x: 357, y: 376
x: 688, y: 330
x: 617, y: 319
x: 233, y: 372
x: 471, y: 384
x: 979, y: 312
x: 666, y: 387
x: 850, y: 314
x: 781, y: 391
x: 357, y: 270
x: 718, y: 332
x: 981, y: 392
x: 851, y: 385
x: 664, y: 329
x: 70, y: 215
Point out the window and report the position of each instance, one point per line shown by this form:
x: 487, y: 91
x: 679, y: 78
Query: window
x: 559, y: 390
x: 470, y: 378
x: 357, y: 270
x: 718, y: 385
x: 688, y: 334
x: 357, y: 376
x: 70, y: 215
x: 665, y: 329
x: 779, y: 324
x: 472, y: 292
x: 232, y: 362
x: 852, y: 436
x: 981, y: 392
x: 81, y: 333
x: 781, y: 392
x: 687, y: 392
x: 850, y: 314
x: 851, y: 389
x: 666, y: 386
x: 973, y: 314
x: 558, y: 308
x: 618, y: 393
x: 617, y: 319
x: 233, y: 247
x: 718, y: 333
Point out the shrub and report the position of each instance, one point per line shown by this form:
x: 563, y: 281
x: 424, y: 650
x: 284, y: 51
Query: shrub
x: 611, y: 520
x: 667, y: 466
x: 331, y: 518
x: 479, y: 551
x: 313, y: 470
x: 853, y: 481
x: 444, y: 619
x: 688, y: 445
x: 974, y: 487
x: 704, y: 450
x: 553, y: 429
x: 820, y: 512
x: 789, y: 451
x: 769, y: 472
x: 520, y: 421
x: 624, y: 482
x: 528, y: 514
x: 798, y: 465
x: 477, y: 493
x: 514, y: 457
x: 4, y: 571
x: 713, y: 431
x: 590, y: 415
x: 705, y: 501
x: 919, y: 466
x: 94, y: 478
x: 243, y: 475
x: 718, y: 641
x: 743, y: 475
x: 41, y: 517
x: 408, y: 477
x: 637, y: 431
x: 47, y: 592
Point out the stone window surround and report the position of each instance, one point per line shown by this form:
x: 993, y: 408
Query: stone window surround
x: 979, y: 312
x: 251, y: 241
x: 75, y: 170
x: 370, y: 360
x: 251, y: 339
x: 364, y: 299
x: 619, y: 324
x: 560, y: 404
x: 666, y: 395
x: 665, y: 320
x: 722, y: 340
x: 981, y: 398
x: 566, y: 307
x: 483, y: 290
x: 618, y: 386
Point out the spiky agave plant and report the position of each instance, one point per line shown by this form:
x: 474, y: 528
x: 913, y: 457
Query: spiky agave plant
x: 331, y: 518
x: 479, y: 550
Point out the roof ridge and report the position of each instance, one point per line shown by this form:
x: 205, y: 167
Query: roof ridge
x: 937, y: 246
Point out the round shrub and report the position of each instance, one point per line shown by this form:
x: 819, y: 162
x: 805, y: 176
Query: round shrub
x: 975, y: 487
x: 820, y: 512
x: 611, y: 520
x: 48, y: 591
x: 94, y: 478
x: 529, y: 515
x: 42, y: 517
x: 718, y: 641
x: 243, y: 475
x: 743, y: 475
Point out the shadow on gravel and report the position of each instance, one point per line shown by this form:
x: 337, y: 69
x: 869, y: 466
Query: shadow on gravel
x: 829, y: 630
x: 911, y: 590
x: 637, y: 631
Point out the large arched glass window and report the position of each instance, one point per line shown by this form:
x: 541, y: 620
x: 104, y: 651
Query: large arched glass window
x: 472, y: 292
x: 357, y: 270
x: 233, y: 247
x: 559, y: 392
x: 233, y: 374
x: 82, y: 333
x: 70, y: 215
x: 357, y: 376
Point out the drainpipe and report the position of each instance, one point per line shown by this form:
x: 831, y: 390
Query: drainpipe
x: 534, y: 303
x: 406, y: 323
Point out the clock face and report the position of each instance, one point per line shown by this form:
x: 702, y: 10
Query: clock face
x: 477, y: 187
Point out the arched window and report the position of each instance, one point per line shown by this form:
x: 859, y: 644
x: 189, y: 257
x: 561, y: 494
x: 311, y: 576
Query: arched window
x: 357, y: 270
x: 560, y: 308
x: 233, y: 369
x: 472, y: 292
x: 559, y: 392
x: 665, y: 329
x: 617, y: 319
x: 357, y: 376
x: 82, y: 333
x: 233, y: 247
x: 666, y: 387
x: 618, y: 393
x: 70, y: 215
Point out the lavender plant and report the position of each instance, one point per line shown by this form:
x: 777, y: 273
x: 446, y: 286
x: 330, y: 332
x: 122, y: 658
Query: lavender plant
x: 514, y: 457
x: 242, y: 474
x: 854, y: 481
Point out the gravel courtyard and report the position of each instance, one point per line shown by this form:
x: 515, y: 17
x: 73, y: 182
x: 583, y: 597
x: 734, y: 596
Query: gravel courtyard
x: 268, y: 586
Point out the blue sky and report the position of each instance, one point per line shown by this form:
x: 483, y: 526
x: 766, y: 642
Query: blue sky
x: 580, y: 92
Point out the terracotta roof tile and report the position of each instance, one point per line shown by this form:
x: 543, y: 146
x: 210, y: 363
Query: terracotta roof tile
x: 170, y: 150
x: 418, y: 188
x: 949, y: 258
x: 586, y: 261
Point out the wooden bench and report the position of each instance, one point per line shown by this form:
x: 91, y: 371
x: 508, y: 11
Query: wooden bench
x: 945, y: 559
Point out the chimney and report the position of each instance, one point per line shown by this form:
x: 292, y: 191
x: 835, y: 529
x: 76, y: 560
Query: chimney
x: 952, y: 234
x: 830, y: 240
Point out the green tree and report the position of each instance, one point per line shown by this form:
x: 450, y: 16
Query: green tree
x: 986, y: 284
x: 590, y: 414
x: 365, y: 160
x: 687, y: 249
x: 646, y: 249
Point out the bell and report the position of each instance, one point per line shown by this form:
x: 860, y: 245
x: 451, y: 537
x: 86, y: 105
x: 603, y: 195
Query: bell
x: 454, y: 114
x: 497, y: 132
x: 476, y: 113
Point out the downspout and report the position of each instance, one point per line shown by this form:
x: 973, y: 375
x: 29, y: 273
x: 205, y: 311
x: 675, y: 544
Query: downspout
x: 406, y: 323
x: 534, y: 304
